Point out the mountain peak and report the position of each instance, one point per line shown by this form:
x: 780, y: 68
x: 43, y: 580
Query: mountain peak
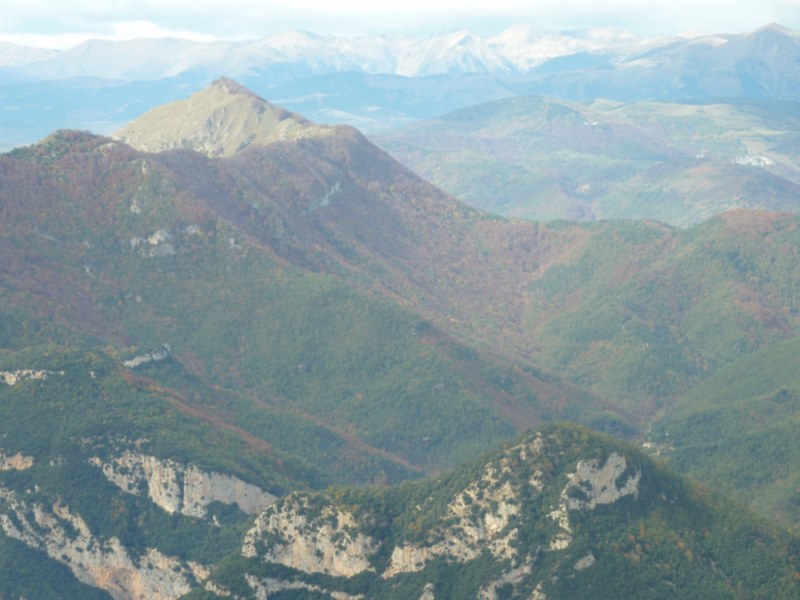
x: 221, y: 120
x: 226, y: 84
x: 776, y: 28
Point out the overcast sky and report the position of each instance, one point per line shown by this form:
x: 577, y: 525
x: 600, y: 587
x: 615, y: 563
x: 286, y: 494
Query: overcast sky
x: 64, y: 23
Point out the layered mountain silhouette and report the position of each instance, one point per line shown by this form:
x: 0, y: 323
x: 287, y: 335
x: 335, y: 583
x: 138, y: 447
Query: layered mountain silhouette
x: 202, y: 329
x: 379, y: 81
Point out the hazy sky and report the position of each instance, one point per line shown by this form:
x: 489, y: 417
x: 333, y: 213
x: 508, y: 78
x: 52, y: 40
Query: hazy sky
x: 65, y: 23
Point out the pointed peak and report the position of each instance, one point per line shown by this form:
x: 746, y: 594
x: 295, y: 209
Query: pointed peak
x: 774, y: 28
x: 221, y: 120
x: 777, y: 27
x: 232, y: 87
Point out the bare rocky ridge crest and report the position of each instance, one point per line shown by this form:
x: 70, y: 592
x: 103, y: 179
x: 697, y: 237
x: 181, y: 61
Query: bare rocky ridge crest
x: 561, y: 513
x: 481, y: 519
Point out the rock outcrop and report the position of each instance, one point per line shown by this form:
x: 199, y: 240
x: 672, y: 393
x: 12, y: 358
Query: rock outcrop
x: 14, y: 377
x: 483, y: 518
x: 178, y: 488
x: 589, y: 486
x: 478, y: 519
x: 105, y: 564
x: 263, y: 587
x: 15, y: 462
x: 324, y: 541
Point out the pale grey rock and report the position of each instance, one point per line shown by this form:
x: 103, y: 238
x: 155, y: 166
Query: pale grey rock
x: 585, y: 562
x: 15, y: 462
x: 592, y: 484
x: 262, y: 588
x: 329, y: 544
x: 14, y: 377
x: 178, y: 488
x: 480, y: 515
x: 512, y: 576
x: 105, y: 564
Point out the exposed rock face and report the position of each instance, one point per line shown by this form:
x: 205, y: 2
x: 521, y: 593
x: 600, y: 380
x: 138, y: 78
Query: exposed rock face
x: 14, y: 377
x: 180, y: 488
x: 15, y: 462
x: 561, y: 511
x: 262, y: 588
x: 538, y: 594
x: 157, y: 244
x: 480, y: 516
x: 221, y: 120
x: 66, y: 538
x: 326, y: 543
x: 312, y: 535
x: 599, y: 484
x: 427, y: 592
x: 168, y: 241
x: 585, y: 562
x: 147, y: 357
x: 590, y: 485
x: 512, y: 577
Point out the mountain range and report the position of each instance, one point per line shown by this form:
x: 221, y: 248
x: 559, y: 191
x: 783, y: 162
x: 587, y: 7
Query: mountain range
x: 214, y: 324
x: 521, y: 49
x: 300, y: 53
x: 375, y: 82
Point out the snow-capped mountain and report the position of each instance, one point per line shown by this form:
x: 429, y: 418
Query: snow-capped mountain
x: 527, y: 47
x: 14, y: 55
x: 514, y: 51
x: 519, y: 50
x: 380, y: 81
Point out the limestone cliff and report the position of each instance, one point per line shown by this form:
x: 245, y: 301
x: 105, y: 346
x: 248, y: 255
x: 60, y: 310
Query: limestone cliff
x: 319, y: 541
x: 561, y: 514
x: 179, y: 488
x: 486, y: 518
x: 478, y: 519
x: 590, y: 485
x: 105, y: 564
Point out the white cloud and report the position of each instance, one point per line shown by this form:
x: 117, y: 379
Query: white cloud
x: 64, y: 22
x: 127, y: 30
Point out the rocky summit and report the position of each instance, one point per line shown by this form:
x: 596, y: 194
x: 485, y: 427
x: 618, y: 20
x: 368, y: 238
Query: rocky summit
x: 561, y: 513
x: 221, y: 120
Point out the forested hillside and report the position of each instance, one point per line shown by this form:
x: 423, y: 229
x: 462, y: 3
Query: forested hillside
x: 187, y: 338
